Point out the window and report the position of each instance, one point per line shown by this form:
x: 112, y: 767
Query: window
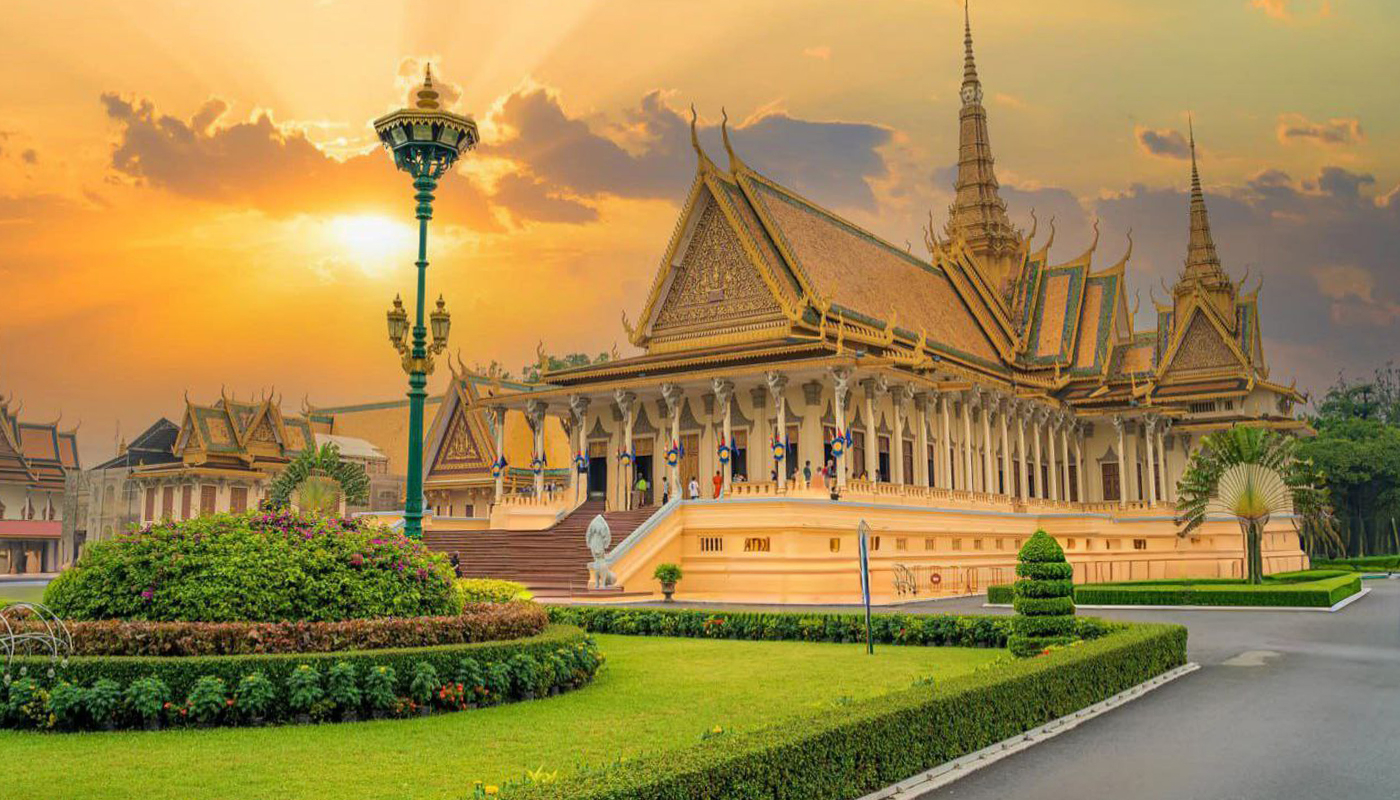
x: 238, y: 499
x: 1139, y: 544
x: 1112, y: 489
x: 976, y: 544
x: 882, y: 463
x: 1228, y: 404
x: 858, y: 454
x: 1069, y: 544
x: 757, y: 544
x: 874, y: 543
x: 835, y: 544
x: 186, y: 501
x: 901, y: 544
x: 150, y: 503
x: 206, y: 499
x: 957, y: 543
x: 1000, y: 543
x: 167, y: 502
x: 739, y: 455
x: 928, y: 544
x: 1203, y: 408
x: 711, y: 544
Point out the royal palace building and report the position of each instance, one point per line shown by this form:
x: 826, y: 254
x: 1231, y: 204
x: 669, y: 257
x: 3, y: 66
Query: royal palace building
x: 36, y: 461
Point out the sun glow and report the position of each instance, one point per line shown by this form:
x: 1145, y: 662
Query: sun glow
x: 373, y: 242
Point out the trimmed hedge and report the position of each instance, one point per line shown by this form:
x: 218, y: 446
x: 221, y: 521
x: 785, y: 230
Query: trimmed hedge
x: 1361, y: 564
x: 873, y: 743
x: 180, y: 674
x: 1319, y: 589
x: 477, y: 623
x: 942, y: 630
x: 491, y: 590
x: 259, y: 567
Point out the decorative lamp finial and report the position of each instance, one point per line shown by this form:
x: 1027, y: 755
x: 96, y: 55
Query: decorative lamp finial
x: 427, y: 95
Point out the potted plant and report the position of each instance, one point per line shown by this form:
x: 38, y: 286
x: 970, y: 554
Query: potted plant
x: 103, y: 701
x: 208, y: 701
x: 667, y: 574
x: 343, y: 690
x: 420, y: 690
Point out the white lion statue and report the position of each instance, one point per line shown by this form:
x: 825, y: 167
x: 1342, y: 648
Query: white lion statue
x: 599, y: 537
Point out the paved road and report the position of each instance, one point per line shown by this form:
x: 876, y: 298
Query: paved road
x: 1285, y: 705
x: 1321, y: 718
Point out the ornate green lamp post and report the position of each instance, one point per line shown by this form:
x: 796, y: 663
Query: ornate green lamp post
x: 425, y: 141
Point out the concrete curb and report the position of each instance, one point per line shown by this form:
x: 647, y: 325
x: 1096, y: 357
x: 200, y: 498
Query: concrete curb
x: 1340, y: 604
x: 924, y: 783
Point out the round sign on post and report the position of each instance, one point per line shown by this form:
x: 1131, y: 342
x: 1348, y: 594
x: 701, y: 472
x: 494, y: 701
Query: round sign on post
x: 935, y: 579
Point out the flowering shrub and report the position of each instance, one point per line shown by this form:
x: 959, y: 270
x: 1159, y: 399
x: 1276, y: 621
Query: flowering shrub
x: 425, y: 680
x: 207, y: 699
x: 255, y: 695
x: 68, y: 704
x: 379, y: 688
x: 146, y: 698
x: 103, y: 701
x: 305, y: 689
x: 342, y: 686
x: 255, y: 567
x: 476, y: 623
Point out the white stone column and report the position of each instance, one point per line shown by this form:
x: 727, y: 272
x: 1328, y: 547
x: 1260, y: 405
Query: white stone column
x: 724, y: 402
x: 921, y: 459
x: 840, y: 385
x: 1037, y: 421
x: 967, y: 399
x: 1004, y: 406
x: 1062, y: 427
x: 674, y: 396
x: 945, y: 443
x: 899, y: 471
x: 1079, y: 461
x: 874, y: 388
x: 535, y: 411
x: 626, y: 403
x: 578, y: 408
x: 498, y: 421
x: 1052, y: 483
x: 777, y: 386
x: 1168, y: 485
x: 1118, y: 423
x: 988, y: 471
x: 1022, y: 411
x: 1149, y: 434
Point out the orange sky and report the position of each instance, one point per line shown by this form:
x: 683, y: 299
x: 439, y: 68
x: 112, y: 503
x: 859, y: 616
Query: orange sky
x: 189, y: 194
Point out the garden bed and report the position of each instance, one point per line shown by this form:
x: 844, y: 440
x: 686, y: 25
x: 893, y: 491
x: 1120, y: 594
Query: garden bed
x: 95, y: 692
x: 1306, y: 589
x: 1361, y: 564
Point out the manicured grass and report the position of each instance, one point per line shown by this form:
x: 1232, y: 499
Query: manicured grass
x: 10, y: 593
x: 654, y: 693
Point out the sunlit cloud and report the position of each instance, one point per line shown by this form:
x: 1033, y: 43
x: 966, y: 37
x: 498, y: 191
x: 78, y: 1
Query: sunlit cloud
x: 1336, y: 132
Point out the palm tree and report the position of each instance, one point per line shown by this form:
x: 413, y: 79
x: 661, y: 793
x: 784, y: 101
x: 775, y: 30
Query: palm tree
x: 320, y: 478
x: 1252, y: 474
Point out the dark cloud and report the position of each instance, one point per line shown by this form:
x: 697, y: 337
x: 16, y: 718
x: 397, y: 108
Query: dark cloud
x: 649, y: 154
x: 1167, y: 143
x: 1334, y: 132
x: 529, y: 198
x: 258, y: 164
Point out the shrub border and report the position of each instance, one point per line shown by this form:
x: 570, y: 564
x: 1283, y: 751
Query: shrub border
x: 1323, y: 592
x: 873, y: 743
x: 181, y: 674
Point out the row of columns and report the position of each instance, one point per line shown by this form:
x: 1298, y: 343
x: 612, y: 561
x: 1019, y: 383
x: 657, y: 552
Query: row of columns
x: 1154, y: 431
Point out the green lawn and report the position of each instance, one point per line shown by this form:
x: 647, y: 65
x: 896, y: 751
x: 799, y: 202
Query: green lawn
x: 15, y: 594
x: 652, y: 693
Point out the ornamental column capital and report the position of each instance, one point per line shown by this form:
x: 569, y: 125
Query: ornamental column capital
x: 875, y: 387
x: 777, y: 382
x: 625, y: 400
x: 578, y: 406
x: 723, y: 389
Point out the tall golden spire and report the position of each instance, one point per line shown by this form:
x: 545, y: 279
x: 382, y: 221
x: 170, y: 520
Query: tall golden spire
x: 978, y: 214
x: 1201, y: 259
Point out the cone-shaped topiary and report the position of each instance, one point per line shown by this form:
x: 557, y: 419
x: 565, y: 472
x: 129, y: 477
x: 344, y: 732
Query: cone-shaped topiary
x: 1043, y: 598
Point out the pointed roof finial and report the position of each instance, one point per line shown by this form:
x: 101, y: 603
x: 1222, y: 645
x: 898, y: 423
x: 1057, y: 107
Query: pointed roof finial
x: 972, y: 87
x: 427, y: 95
x: 734, y: 161
x: 695, y: 138
x: 1201, y: 258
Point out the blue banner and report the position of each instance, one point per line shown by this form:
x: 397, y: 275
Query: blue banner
x: 863, y: 538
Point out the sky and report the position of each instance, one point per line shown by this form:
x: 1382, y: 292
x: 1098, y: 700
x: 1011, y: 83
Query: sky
x: 191, y: 197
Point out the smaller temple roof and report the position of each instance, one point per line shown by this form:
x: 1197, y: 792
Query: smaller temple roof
x: 155, y: 445
x: 35, y: 454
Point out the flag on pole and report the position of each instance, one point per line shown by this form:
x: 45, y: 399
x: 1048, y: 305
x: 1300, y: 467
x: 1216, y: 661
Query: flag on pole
x: 864, y: 539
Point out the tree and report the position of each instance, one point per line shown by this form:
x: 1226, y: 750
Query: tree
x: 1043, y: 597
x: 1252, y: 474
x: 316, y: 475
x: 531, y: 372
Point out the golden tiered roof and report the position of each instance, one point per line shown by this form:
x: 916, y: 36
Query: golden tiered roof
x: 35, y: 454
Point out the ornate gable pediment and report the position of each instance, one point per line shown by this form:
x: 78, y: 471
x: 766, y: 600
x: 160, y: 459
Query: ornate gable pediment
x: 1202, y: 346
x: 463, y: 447
x: 714, y: 284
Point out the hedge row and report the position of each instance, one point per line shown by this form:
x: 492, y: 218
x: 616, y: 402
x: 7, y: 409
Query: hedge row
x: 342, y: 687
x: 945, y: 630
x: 1319, y: 593
x: 180, y: 674
x: 1361, y: 564
x: 477, y: 623
x: 873, y: 743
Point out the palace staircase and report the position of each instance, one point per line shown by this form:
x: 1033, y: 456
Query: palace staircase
x: 552, y: 563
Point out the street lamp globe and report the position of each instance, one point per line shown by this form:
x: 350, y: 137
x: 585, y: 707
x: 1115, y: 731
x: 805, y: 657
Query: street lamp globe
x: 398, y: 325
x: 440, y: 321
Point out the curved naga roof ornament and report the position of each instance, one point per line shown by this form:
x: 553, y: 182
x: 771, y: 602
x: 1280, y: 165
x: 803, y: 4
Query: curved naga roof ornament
x: 734, y: 161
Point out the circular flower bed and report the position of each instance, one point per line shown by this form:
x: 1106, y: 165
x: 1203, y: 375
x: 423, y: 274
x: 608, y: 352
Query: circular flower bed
x: 262, y: 567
